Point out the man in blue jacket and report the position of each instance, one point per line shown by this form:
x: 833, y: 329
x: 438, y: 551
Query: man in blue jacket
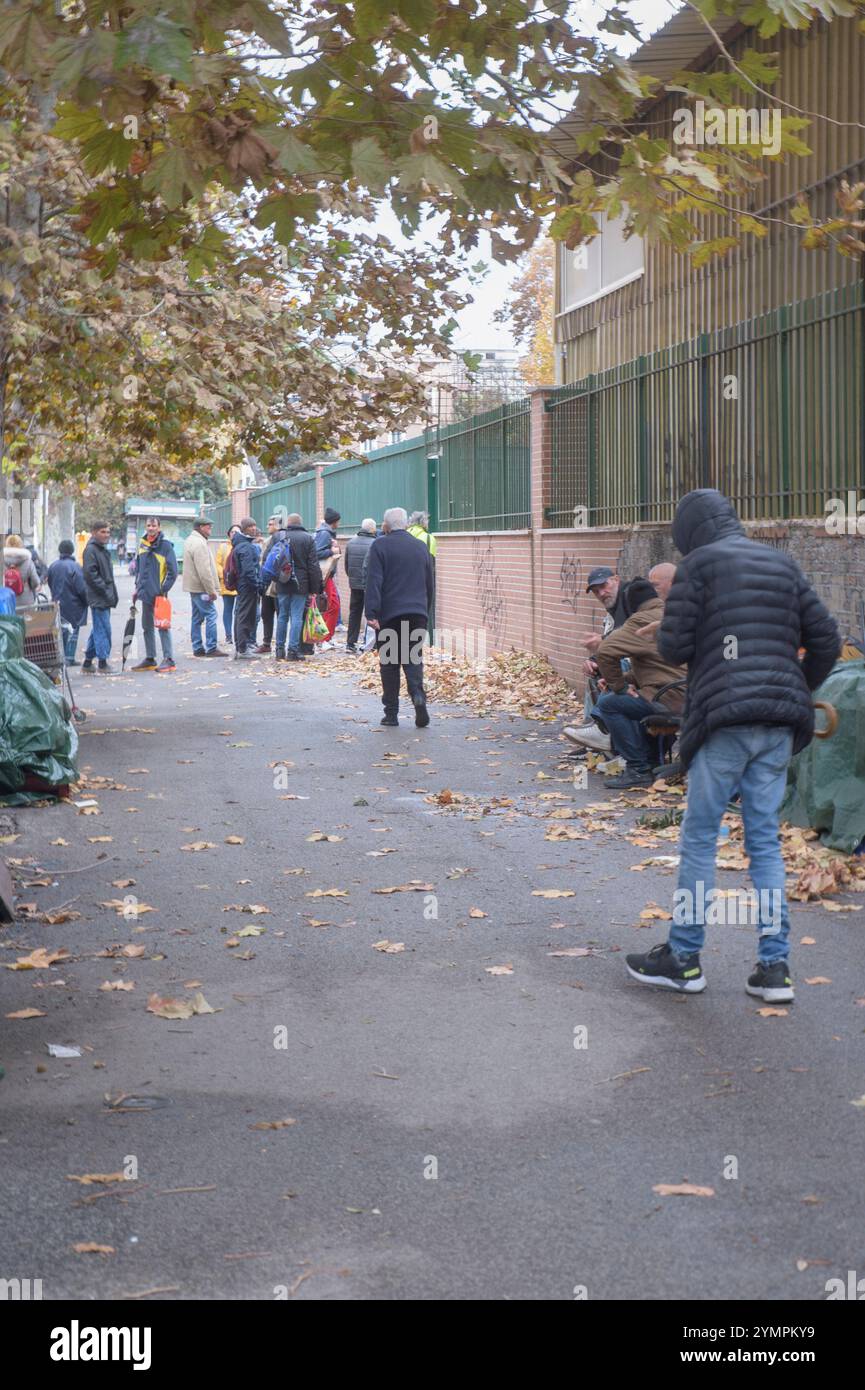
x: 155, y: 573
x: 66, y: 582
x: 399, y: 592
x: 247, y: 558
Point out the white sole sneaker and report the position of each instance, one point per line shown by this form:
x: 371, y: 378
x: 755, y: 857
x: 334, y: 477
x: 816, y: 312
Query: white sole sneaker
x: 664, y: 982
x: 589, y: 737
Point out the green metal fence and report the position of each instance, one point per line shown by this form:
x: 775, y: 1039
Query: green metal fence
x: 294, y: 495
x: 484, y: 470
x: 770, y: 411
x: 220, y: 515
x: 395, y: 476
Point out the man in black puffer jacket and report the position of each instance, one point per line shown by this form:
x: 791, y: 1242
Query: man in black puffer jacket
x: 737, y: 614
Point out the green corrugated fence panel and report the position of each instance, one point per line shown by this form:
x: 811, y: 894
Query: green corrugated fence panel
x: 484, y: 470
x: 294, y: 494
x: 395, y: 476
x: 220, y: 515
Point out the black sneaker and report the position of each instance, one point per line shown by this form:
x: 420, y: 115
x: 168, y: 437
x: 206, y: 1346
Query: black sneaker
x: 201, y: 653
x: 148, y: 664
x: 103, y: 669
x: 421, y: 713
x: 629, y: 778
x: 391, y: 721
x: 771, y: 983
x: 166, y: 666
x: 217, y: 651
x: 661, y: 966
x: 87, y: 667
x: 291, y: 655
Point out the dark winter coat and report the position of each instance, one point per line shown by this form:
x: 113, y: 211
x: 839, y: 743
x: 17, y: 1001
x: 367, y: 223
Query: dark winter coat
x: 155, y: 569
x: 355, y: 555
x: 324, y: 539
x: 248, y: 561
x: 399, y: 577
x: 307, y: 570
x: 66, y: 582
x: 728, y: 587
x: 99, y: 576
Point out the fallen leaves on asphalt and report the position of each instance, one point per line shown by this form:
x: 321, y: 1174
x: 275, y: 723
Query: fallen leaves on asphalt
x: 273, y: 1124
x: 413, y: 886
x: 40, y: 959
x: 770, y: 1012
x: 553, y: 893
x: 198, y: 845
x: 390, y: 948
x: 499, y: 969
x: 124, y: 908
x: 89, y: 1247
x: 28, y: 1013
x: 178, y: 1008
x: 125, y: 985
x: 87, y: 1179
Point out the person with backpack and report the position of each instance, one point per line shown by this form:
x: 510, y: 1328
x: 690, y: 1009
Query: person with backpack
x: 201, y: 582
x: 298, y: 579
x: 66, y: 582
x: 155, y: 575
x: 737, y: 615
x: 228, y: 595
x: 241, y: 573
x: 268, y: 598
x: 356, y: 553
x: 20, y: 573
x: 101, y: 597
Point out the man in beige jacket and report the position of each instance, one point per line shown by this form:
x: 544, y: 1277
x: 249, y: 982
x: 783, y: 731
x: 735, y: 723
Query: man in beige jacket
x: 201, y: 582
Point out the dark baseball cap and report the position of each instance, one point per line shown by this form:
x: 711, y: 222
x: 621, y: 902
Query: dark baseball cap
x: 598, y: 575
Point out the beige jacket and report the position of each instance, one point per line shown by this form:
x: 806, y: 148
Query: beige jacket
x: 199, y: 566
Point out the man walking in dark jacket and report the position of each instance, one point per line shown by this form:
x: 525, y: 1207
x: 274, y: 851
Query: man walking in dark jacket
x: 155, y: 575
x: 399, y: 591
x: 292, y: 595
x: 101, y: 597
x: 248, y: 565
x: 355, y: 563
x: 736, y: 615
x: 66, y: 582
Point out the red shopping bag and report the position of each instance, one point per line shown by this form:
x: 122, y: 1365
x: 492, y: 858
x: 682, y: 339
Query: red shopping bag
x: 161, y: 611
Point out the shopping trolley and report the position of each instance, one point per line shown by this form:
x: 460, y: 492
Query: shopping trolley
x: 45, y: 645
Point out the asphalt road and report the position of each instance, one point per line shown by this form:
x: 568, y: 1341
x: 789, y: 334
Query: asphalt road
x: 397, y: 1066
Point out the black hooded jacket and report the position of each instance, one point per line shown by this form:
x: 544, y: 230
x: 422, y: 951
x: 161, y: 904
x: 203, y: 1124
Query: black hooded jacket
x: 736, y: 615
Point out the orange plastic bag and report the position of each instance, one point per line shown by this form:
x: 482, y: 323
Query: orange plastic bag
x: 161, y: 611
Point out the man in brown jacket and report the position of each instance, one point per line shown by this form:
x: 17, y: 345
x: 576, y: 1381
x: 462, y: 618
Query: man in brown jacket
x: 627, y: 698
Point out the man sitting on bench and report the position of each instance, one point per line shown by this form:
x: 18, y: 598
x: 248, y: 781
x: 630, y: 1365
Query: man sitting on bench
x: 622, y: 706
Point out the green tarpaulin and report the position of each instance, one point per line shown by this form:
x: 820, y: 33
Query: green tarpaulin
x: 826, y: 782
x: 37, y: 738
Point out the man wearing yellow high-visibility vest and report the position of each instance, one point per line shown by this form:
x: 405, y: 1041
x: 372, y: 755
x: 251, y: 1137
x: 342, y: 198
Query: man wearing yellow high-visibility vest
x: 417, y: 526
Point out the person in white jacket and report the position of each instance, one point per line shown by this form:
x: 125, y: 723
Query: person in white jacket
x: 17, y: 557
x: 201, y: 581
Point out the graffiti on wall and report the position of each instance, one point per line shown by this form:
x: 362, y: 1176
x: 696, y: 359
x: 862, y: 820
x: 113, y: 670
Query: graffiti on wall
x: 571, y: 581
x: 489, y: 587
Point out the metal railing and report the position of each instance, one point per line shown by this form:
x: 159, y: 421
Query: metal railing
x: 771, y: 411
x: 484, y: 470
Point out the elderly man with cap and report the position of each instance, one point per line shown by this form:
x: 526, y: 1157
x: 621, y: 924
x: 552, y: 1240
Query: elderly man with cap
x: 606, y: 586
x: 201, y: 582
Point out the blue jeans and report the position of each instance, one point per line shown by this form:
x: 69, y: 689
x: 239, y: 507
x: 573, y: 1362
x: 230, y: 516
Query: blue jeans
x: 290, y: 609
x: 622, y: 715
x: 751, y: 759
x: 228, y: 614
x: 203, y: 611
x: 99, y: 641
x: 149, y: 630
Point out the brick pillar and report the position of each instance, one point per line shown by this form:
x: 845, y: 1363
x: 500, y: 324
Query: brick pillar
x: 239, y: 503
x: 319, y: 493
x: 540, y: 475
